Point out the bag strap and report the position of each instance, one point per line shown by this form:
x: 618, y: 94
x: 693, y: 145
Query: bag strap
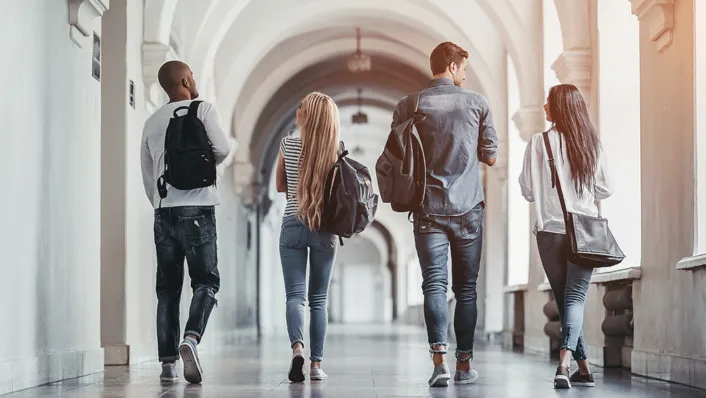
x: 194, y: 107
x: 555, y: 175
x: 344, y: 152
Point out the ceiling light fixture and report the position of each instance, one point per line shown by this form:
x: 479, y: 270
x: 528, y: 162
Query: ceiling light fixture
x: 360, y: 117
x: 359, y: 62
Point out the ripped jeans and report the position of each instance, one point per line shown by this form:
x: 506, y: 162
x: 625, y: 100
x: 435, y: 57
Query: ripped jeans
x: 569, y: 284
x: 184, y: 233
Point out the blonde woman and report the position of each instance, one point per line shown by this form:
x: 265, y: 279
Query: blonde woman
x: 302, y: 168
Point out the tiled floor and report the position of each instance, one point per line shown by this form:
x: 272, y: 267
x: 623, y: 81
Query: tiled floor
x: 361, y: 363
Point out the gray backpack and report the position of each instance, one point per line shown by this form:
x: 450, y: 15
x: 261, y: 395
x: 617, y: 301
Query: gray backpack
x: 402, y: 168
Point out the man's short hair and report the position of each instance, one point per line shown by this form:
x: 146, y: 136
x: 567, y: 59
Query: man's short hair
x: 444, y: 54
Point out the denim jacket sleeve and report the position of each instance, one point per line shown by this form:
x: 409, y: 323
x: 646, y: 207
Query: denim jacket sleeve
x: 487, y: 137
x: 398, y: 116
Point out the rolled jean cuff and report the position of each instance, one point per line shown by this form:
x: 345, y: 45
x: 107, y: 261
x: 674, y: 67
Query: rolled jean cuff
x: 197, y: 335
x: 578, y: 355
x: 173, y: 358
x: 442, y: 350
x: 464, y: 355
x: 297, y: 341
x: 315, y: 359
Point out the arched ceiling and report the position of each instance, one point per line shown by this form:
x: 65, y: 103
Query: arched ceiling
x: 228, y: 41
x: 389, y: 81
x: 259, y: 58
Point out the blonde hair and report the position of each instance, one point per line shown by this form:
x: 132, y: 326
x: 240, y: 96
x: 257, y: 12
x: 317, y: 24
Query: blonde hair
x: 320, y: 145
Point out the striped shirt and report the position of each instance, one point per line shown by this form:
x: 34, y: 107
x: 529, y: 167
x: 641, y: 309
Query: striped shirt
x: 291, y: 148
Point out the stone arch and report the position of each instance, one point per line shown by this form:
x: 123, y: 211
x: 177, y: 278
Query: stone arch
x: 392, y: 260
x: 158, y: 19
x: 305, y: 16
x: 574, y: 21
x: 279, y: 73
x: 521, y: 50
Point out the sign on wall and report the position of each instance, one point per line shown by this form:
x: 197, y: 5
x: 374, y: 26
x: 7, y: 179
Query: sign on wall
x: 96, y: 64
x: 131, y: 94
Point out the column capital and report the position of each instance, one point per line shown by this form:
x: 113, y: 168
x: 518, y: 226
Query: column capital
x: 233, y: 144
x: 658, y: 15
x: 529, y: 120
x: 574, y: 66
x: 243, y: 177
x: 81, y: 16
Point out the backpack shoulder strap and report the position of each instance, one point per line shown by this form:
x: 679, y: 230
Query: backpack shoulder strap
x: 194, y: 107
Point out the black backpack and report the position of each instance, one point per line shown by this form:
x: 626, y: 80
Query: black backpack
x: 189, y: 162
x: 402, y: 167
x: 350, y: 202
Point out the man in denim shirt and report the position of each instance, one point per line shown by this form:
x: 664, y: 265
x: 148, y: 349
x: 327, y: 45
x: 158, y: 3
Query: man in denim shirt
x: 457, y: 135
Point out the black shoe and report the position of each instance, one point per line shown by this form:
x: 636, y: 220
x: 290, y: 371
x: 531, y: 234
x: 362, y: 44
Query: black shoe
x: 578, y: 379
x: 296, y: 369
x: 561, y: 379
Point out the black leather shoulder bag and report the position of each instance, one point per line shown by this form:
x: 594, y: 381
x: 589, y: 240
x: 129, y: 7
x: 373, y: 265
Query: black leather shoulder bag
x: 591, y: 244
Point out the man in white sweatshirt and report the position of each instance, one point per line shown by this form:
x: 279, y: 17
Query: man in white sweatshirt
x: 185, y: 220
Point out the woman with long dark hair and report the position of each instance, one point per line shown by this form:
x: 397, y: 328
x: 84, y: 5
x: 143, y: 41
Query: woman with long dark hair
x: 581, y: 171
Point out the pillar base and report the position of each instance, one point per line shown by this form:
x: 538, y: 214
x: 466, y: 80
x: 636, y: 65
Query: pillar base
x: 117, y: 354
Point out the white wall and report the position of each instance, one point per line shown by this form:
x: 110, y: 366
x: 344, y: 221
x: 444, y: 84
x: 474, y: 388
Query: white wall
x: 619, y: 123
x: 51, y: 172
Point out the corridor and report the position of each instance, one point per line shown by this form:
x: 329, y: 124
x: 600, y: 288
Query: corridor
x: 79, y: 267
x: 362, y: 362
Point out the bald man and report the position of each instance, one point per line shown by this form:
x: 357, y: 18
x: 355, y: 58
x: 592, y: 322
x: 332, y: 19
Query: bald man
x: 184, y: 224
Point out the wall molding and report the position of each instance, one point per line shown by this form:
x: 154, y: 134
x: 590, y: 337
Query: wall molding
x: 20, y: 374
x: 530, y: 121
x: 681, y: 369
x: 658, y: 15
x: 544, y: 287
x: 574, y: 67
x: 626, y: 274
x: 692, y: 263
x: 515, y: 288
x: 81, y: 16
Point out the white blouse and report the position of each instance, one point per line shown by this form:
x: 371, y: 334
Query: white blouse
x: 536, y: 184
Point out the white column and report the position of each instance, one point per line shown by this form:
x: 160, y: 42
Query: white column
x: 553, y: 44
x: 495, y: 245
x: 519, y: 228
x: 127, y: 249
x: 113, y: 186
x: 619, y: 123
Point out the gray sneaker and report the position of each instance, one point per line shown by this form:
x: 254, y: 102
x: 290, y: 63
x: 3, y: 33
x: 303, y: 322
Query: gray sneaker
x: 463, y: 377
x: 317, y: 374
x: 440, y: 377
x: 192, y: 366
x: 169, y: 373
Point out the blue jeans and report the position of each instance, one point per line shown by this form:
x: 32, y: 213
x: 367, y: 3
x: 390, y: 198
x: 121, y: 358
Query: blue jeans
x: 433, y: 235
x: 184, y: 233
x: 569, y: 284
x: 296, y: 243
